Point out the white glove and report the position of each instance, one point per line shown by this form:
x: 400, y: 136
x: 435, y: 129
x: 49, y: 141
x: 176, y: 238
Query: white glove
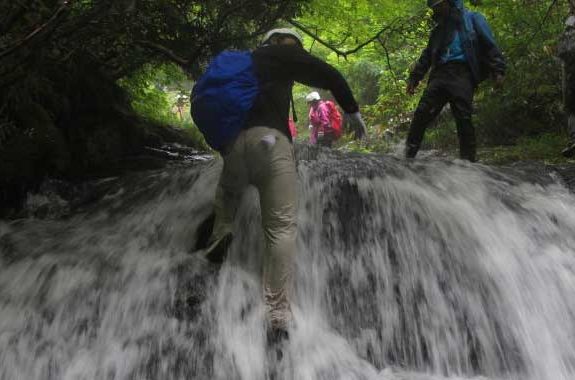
x: 310, y: 126
x: 357, y: 124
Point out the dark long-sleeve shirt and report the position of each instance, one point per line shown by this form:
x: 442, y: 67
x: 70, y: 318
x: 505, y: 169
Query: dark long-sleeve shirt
x: 277, y: 68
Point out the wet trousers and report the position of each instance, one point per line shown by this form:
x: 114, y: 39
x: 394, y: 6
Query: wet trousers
x: 450, y: 83
x: 263, y: 157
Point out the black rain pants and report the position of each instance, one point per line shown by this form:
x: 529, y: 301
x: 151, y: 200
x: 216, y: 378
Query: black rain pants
x: 450, y: 83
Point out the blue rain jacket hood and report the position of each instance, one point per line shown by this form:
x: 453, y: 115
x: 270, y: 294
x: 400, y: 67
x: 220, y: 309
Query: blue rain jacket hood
x: 481, y: 51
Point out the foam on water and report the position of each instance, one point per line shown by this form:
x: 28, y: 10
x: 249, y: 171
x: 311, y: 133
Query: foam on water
x: 405, y: 271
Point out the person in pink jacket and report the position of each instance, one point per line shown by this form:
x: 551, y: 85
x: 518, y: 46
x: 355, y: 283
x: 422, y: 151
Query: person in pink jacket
x: 320, y: 123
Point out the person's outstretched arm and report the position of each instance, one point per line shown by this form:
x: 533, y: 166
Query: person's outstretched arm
x: 292, y: 63
x: 295, y: 64
x: 421, y: 68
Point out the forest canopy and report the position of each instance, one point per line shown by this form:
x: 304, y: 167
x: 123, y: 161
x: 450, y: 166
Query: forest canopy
x: 74, y: 70
x: 62, y: 111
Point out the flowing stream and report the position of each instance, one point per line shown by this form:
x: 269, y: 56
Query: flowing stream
x: 427, y: 270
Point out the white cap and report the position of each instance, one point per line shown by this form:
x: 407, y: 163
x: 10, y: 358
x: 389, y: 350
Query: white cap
x: 282, y: 31
x: 312, y: 96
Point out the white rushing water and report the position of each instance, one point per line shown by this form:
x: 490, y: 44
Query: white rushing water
x: 405, y: 271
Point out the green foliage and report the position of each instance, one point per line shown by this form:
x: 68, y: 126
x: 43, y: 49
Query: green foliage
x: 545, y: 147
x: 146, y: 90
x: 156, y: 92
x: 53, y: 40
x: 375, y: 72
x: 529, y: 104
x: 364, y: 77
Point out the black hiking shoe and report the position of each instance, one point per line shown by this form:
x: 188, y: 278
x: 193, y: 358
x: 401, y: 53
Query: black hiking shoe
x: 569, y: 152
x: 411, y: 151
x: 276, y: 337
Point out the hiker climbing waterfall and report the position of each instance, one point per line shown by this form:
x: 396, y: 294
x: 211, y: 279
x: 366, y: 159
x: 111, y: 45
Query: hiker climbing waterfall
x: 264, y: 190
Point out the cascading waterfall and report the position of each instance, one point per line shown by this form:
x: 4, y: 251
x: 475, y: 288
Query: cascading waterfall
x: 424, y: 270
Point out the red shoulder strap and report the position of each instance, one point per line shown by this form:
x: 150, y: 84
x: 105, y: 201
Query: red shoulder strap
x: 335, y: 118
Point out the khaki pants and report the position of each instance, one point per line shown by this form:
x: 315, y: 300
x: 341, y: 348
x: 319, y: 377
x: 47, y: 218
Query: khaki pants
x: 263, y: 157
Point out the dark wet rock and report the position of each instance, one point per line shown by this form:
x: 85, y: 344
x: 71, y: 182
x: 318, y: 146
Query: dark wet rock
x: 567, y: 174
x: 79, y: 126
x: 542, y: 173
x: 55, y: 198
x: 195, y: 279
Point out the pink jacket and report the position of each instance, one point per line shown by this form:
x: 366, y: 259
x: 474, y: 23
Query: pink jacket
x: 319, y: 119
x: 319, y: 115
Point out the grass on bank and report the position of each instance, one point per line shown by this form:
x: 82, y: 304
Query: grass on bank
x: 545, y: 148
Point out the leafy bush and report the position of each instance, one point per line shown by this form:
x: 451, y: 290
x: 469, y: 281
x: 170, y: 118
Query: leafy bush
x: 545, y: 147
x: 529, y: 104
x: 154, y: 92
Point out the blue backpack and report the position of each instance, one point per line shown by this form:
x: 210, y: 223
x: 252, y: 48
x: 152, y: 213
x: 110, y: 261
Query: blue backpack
x: 223, y: 97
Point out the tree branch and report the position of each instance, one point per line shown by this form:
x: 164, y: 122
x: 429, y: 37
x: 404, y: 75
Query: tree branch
x: 547, y: 14
x: 388, y: 59
x: 165, y: 51
x: 345, y: 53
x: 37, y: 31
